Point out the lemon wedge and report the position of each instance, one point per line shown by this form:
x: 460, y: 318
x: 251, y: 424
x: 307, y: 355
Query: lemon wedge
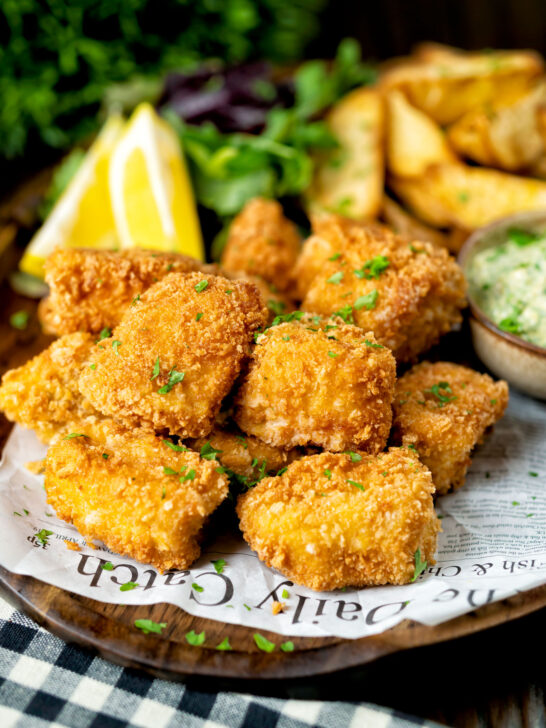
x: 151, y: 192
x: 82, y: 216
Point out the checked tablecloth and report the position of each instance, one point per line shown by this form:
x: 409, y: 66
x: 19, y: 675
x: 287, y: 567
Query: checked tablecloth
x: 46, y: 682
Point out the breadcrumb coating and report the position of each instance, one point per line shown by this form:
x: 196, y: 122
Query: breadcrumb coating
x: 443, y: 410
x: 263, y: 242
x: 277, y: 303
x: 245, y: 455
x: 408, y: 293
x: 91, y: 289
x: 316, y: 381
x: 43, y: 394
x: 175, y: 354
x: 134, y: 493
x: 328, y: 522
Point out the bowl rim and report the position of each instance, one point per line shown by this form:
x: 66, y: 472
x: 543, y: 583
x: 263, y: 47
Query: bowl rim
x: 463, y: 256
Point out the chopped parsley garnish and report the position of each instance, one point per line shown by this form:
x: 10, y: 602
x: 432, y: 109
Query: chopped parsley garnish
x: 411, y: 446
x: 515, y: 503
x: 115, y: 345
x: 373, y: 268
x: 199, y: 287
x: 282, y: 471
x: 176, y: 448
x: 218, y: 565
x: 74, y: 434
x: 43, y: 536
x: 493, y: 401
x: 286, y: 338
x: 174, y: 378
x: 533, y: 474
x: 199, y: 316
x: 510, y: 324
x: 463, y: 196
x: 208, y: 452
x: 105, y: 455
x: 224, y: 645
x: 356, y: 484
x: 147, y: 626
x: 190, y: 475
x: 92, y: 366
x: 345, y: 313
x: 355, y: 457
x: 372, y: 345
x: 441, y: 391
x: 135, y: 300
x: 369, y: 300
x: 246, y: 607
x: 128, y: 586
x: 155, y: 370
x: 336, y: 278
x: 285, y: 594
x: 195, y: 639
x: 104, y: 334
x: 108, y: 566
x: 329, y: 327
x: 328, y: 474
x: 416, y: 250
x: 420, y: 565
x: 228, y: 291
x: 335, y: 256
x: 197, y: 587
x: 332, y: 354
x: 169, y: 471
x: 19, y: 320
x: 242, y: 440
x: 522, y: 237
x: 263, y: 643
x: 287, y: 317
x: 276, y: 307
x: 287, y: 646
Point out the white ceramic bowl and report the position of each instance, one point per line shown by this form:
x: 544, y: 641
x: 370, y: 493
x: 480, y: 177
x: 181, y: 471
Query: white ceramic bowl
x: 521, y: 363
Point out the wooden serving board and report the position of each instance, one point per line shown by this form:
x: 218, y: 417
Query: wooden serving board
x: 109, y: 629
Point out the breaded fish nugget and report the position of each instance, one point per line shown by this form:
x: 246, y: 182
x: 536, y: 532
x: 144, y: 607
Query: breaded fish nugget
x: 315, y: 381
x: 407, y: 293
x: 90, y: 289
x: 277, y: 303
x: 176, y: 354
x: 43, y: 394
x: 246, y: 456
x: 328, y: 522
x: 134, y: 493
x: 444, y: 410
x: 262, y: 242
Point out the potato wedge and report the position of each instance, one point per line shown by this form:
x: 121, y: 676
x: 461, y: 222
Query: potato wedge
x: 414, y: 140
x: 507, y: 137
x: 350, y: 179
x: 468, y: 197
x: 448, y: 83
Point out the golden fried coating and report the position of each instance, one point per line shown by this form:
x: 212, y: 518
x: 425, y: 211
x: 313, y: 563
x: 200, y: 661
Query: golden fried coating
x: 443, y: 410
x: 134, y: 493
x: 176, y: 353
x: 245, y: 455
x: 317, y: 381
x: 407, y: 293
x: 43, y: 394
x: 277, y: 303
x: 328, y: 522
x: 90, y: 289
x: 262, y: 242
x: 329, y: 234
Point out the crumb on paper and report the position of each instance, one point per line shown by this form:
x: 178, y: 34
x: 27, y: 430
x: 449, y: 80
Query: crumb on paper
x: 71, y: 545
x: 277, y: 607
x: 36, y: 466
x: 90, y: 544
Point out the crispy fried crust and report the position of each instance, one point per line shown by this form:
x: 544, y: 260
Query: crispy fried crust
x: 164, y: 334
x: 127, y: 500
x: 246, y: 455
x: 418, y: 297
x: 445, y: 432
x: 317, y: 382
x: 277, y: 303
x: 90, y: 289
x: 262, y: 242
x: 43, y: 394
x: 325, y: 532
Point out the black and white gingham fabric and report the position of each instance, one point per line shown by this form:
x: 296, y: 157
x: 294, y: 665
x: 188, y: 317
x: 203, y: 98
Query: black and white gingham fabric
x: 45, y: 682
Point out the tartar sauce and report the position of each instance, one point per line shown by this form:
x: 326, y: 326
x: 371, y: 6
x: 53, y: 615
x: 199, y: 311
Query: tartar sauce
x: 508, y: 282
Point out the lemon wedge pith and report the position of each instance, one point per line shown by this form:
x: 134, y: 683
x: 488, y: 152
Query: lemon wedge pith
x: 150, y: 189
x: 82, y: 216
